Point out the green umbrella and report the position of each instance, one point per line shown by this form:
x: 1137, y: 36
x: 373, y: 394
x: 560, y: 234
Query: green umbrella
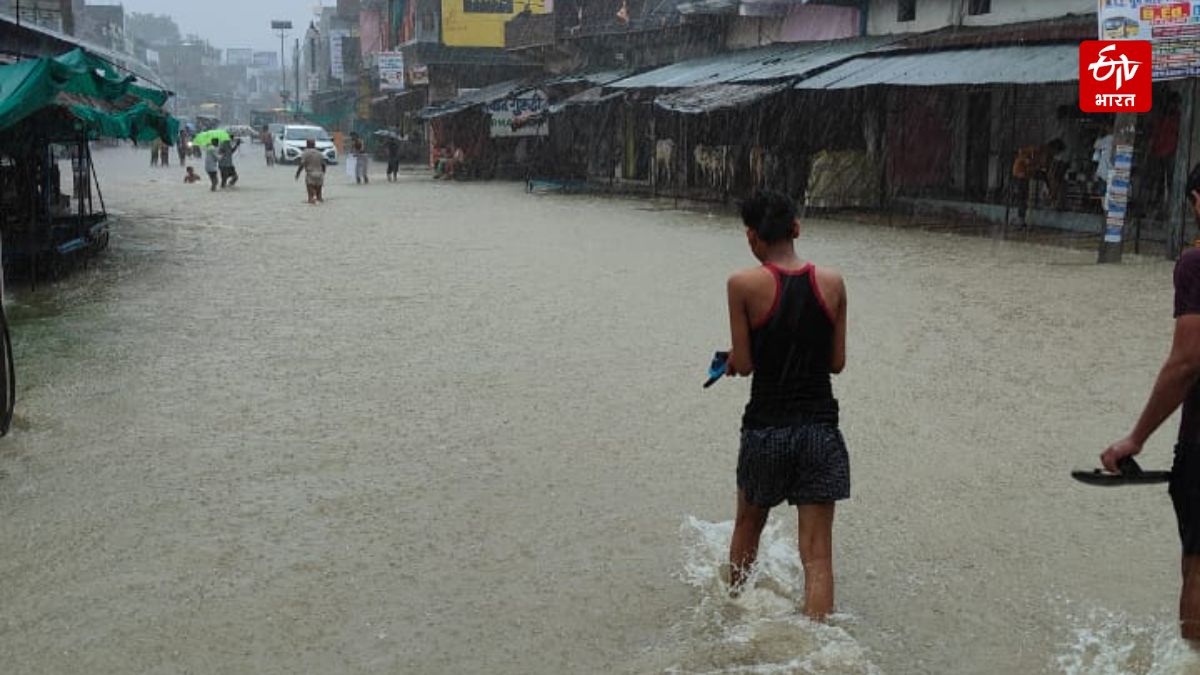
x: 205, y: 138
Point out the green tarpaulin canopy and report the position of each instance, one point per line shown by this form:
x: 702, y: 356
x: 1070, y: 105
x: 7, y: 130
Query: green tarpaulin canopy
x: 80, y: 93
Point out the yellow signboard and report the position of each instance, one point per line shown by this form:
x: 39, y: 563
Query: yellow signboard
x: 480, y: 23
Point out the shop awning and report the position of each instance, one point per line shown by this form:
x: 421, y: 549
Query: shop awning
x: 90, y: 95
x: 703, y: 71
x: 763, y: 64
x: 597, y: 78
x: 471, y: 99
x: 1027, y: 64
x: 593, y: 96
x: 717, y: 97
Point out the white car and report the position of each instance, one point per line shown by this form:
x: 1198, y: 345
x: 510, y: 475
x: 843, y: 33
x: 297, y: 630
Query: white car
x: 293, y: 139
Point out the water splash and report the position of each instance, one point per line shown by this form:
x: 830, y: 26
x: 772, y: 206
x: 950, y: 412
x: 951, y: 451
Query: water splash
x: 762, y: 631
x: 1113, y: 643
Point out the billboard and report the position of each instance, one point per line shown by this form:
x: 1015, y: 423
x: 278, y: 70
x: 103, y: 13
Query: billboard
x: 239, y: 56
x: 265, y: 60
x: 480, y: 23
x: 391, y: 71
x: 1172, y: 26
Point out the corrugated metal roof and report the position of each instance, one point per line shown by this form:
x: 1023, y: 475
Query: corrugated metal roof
x: 717, y: 97
x: 702, y: 71
x: 592, y: 96
x: 485, y: 95
x: 1028, y: 64
x: 763, y: 64
x: 592, y: 78
x: 809, y: 57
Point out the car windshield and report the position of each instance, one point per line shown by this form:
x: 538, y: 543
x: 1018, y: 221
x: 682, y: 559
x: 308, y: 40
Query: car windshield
x: 305, y: 133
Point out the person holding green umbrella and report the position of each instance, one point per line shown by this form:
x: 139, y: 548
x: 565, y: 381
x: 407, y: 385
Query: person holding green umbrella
x: 211, y: 162
x: 205, y: 138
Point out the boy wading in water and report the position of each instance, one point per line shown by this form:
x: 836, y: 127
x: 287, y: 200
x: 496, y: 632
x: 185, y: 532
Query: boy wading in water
x: 788, y: 320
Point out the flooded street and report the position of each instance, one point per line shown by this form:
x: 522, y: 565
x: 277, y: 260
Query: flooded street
x: 454, y: 428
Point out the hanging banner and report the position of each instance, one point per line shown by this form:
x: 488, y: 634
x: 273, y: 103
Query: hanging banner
x: 391, y: 71
x: 1172, y: 26
x: 337, y: 61
x: 509, y: 115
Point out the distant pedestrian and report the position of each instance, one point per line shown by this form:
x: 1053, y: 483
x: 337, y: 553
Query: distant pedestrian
x: 359, y: 148
x: 212, y: 162
x: 268, y: 142
x: 393, y: 157
x: 181, y: 145
x: 191, y: 176
x: 229, y: 176
x: 312, y: 163
x: 164, y: 154
x: 1034, y: 163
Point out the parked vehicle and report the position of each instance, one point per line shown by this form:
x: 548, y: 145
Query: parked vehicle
x: 294, y: 138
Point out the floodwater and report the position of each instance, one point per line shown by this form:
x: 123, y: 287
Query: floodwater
x: 456, y: 428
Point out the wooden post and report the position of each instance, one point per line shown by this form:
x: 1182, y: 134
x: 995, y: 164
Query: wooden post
x: 1176, y: 205
x: 1117, y: 194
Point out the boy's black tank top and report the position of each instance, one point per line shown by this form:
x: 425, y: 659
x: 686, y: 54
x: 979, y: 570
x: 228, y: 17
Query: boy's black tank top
x: 792, y: 349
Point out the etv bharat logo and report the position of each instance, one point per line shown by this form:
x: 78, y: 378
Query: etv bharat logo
x: 1115, y: 76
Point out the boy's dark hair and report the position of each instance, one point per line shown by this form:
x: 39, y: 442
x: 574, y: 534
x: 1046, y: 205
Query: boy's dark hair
x: 1057, y: 145
x: 770, y: 214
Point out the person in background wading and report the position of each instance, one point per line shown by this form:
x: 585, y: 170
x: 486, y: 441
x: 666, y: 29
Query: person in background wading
x: 359, y: 148
x: 312, y: 163
x: 229, y: 175
x: 268, y: 142
x: 212, y: 163
x: 393, y: 157
x: 788, y: 324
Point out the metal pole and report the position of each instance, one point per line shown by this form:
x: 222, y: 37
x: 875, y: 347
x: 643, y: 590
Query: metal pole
x: 282, y: 64
x: 296, y: 68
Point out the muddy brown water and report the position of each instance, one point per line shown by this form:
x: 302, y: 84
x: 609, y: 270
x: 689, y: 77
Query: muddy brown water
x: 456, y: 428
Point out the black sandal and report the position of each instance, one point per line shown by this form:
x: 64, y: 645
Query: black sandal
x: 1131, y: 474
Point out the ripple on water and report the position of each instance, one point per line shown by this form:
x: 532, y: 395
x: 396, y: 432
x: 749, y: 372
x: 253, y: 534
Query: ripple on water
x: 762, y: 631
x: 1102, y: 642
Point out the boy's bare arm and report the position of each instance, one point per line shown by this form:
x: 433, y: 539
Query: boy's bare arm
x: 740, y: 361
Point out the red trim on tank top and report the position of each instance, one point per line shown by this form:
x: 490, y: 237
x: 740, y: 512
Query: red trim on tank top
x: 775, y: 272
x: 816, y: 289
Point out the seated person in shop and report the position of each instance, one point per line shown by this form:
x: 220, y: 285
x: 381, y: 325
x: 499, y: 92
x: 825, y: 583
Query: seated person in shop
x: 1034, y: 163
x: 448, y: 161
x: 440, y: 160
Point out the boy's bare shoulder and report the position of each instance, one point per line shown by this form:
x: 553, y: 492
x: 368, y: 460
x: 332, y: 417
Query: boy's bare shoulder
x: 829, y: 275
x: 748, y: 277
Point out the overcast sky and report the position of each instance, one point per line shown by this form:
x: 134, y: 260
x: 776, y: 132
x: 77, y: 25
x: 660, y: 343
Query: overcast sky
x: 231, y: 23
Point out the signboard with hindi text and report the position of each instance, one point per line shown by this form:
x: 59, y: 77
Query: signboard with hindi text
x: 1171, y: 26
x: 507, y: 113
x: 391, y: 71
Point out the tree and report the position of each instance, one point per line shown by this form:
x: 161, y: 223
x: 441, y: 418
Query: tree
x: 153, y: 29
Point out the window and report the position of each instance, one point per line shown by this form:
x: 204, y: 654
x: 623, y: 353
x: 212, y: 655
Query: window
x: 906, y: 10
x: 977, y: 7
